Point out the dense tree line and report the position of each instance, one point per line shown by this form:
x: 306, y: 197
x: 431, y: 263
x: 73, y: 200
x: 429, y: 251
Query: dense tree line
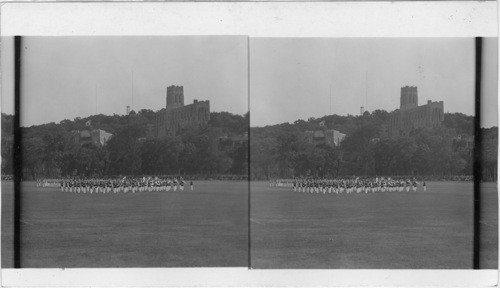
x: 7, y: 144
x: 275, y: 151
x: 489, y: 152
x: 282, y: 150
x: 49, y: 150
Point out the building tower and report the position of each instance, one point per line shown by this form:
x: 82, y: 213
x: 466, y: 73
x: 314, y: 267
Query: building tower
x: 361, y: 110
x: 128, y: 110
x: 409, y: 97
x: 175, y: 97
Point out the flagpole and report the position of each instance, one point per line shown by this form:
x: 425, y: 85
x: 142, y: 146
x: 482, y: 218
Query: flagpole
x: 366, y: 92
x: 330, y: 99
x: 132, y: 90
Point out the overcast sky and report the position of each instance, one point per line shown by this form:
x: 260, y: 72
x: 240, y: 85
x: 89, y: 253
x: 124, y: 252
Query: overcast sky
x: 68, y: 77
x: 291, y: 78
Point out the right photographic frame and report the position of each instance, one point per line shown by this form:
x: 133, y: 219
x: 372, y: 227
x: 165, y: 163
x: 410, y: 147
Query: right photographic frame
x: 369, y: 153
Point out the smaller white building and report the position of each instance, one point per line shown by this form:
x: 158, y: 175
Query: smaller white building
x: 96, y: 136
x: 329, y: 137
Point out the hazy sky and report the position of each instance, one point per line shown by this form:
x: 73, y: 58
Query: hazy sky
x: 291, y: 78
x: 68, y: 77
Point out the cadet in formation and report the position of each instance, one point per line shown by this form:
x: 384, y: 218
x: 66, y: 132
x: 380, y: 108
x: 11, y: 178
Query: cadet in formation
x: 350, y: 185
x: 124, y: 185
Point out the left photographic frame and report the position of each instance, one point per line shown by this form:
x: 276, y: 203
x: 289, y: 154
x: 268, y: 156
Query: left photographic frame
x: 134, y: 152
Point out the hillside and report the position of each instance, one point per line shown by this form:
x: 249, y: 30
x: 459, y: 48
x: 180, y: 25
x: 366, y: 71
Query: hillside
x: 50, y: 151
x: 282, y: 150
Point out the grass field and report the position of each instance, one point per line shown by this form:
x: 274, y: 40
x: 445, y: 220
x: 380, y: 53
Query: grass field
x: 415, y: 230
x: 207, y: 227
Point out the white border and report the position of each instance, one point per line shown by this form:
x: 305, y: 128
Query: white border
x: 230, y: 277
x: 256, y: 19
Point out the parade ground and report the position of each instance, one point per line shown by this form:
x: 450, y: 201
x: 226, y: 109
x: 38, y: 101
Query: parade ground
x: 407, y: 230
x: 207, y: 227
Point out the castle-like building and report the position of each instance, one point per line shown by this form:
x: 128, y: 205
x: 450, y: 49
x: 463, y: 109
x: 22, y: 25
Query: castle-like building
x: 410, y: 116
x: 176, y: 115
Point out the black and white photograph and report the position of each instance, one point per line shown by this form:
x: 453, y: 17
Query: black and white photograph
x: 362, y: 153
x: 134, y: 152
x: 249, y: 144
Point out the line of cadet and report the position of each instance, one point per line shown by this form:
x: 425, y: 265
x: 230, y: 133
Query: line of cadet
x: 125, y: 185
x: 350, y: 185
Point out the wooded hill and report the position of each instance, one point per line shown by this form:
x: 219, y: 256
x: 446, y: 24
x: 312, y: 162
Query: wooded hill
x: 282, y: 150
x: 275, y: 151
x: 49, y: 150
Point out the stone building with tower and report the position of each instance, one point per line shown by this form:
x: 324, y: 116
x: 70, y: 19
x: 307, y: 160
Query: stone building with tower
x: 409, y: 117
x: 176, y: 115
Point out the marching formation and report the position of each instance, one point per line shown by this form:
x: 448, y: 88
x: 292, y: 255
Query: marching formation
x: 124, y: 185
x: 350, y: 185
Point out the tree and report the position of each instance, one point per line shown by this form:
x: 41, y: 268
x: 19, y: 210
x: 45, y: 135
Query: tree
x: 124, y: 151
x: 32, y: 153
x: 91, y: 161
x: 489, y: 153
x: 285, y: 151
x: 239, y: 159
x: 262, y: 155
x: 170, y: 152
x: 461, y: 123
x: 188, y: 162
